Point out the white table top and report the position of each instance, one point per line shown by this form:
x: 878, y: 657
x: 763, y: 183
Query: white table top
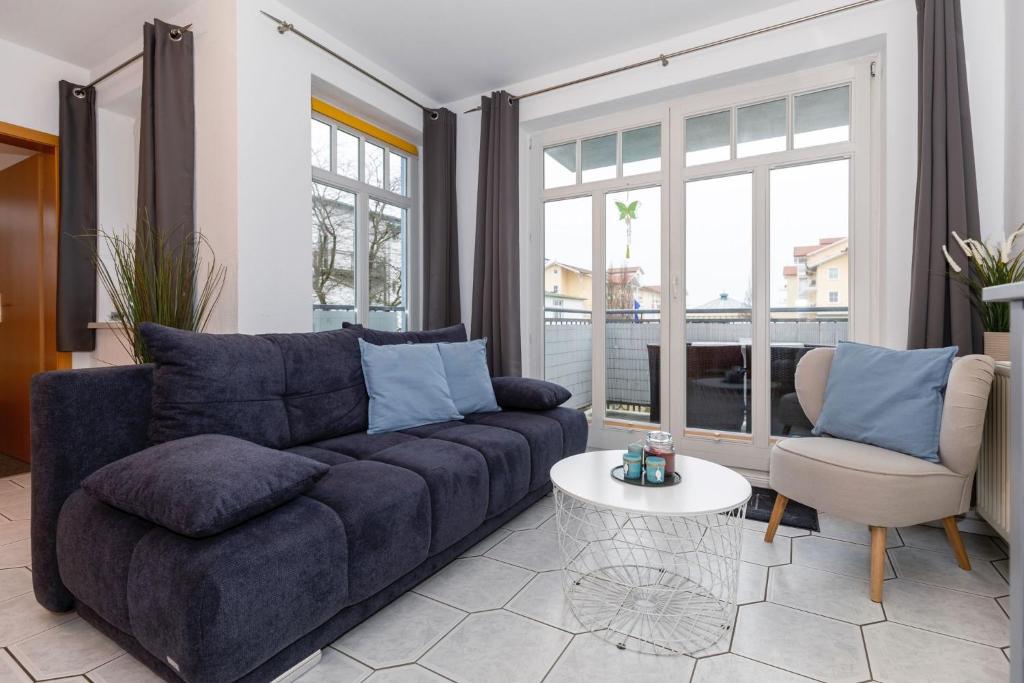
x: 706, y: 487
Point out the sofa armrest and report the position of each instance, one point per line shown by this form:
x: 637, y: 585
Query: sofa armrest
x: 524, y: 393
x: 81, y: 421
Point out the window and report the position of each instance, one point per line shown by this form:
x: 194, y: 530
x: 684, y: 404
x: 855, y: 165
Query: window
x: 734, y: 231
x: 363, y: 202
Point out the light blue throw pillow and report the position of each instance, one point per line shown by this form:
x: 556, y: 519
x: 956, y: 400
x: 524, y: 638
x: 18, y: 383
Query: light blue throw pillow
x: 892, y: 399
x: 407, y: 386
x: 465, y: 364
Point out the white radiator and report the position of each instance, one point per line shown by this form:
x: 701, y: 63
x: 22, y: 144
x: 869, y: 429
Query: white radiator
x: 993, y: 502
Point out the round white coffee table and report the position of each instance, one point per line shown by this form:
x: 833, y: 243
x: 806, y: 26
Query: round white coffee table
x: 651, y: 569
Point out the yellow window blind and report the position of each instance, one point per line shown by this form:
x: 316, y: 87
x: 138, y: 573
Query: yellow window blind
x: 329, y: 110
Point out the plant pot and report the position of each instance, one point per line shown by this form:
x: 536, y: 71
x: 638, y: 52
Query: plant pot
x: 997, y: 345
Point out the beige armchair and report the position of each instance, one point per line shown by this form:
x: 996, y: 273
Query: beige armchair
x: 879, y: 487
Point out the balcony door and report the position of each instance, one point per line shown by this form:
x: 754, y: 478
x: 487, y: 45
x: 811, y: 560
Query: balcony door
x: 692, y: 253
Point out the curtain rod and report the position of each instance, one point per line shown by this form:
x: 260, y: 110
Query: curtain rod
x: 286, y: 27
x: 663, y: 58
x: 80, y: 92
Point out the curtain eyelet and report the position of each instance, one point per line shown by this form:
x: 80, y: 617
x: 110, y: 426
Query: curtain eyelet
x: 176, y: 34
x: 434, y: 115
x: 78, y: 92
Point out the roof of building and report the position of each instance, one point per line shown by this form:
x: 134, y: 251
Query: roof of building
x: 810, y: 249
x: 789, y: 271
x: 567, y: 266
x: 623, y: 274
x: 723, y: 301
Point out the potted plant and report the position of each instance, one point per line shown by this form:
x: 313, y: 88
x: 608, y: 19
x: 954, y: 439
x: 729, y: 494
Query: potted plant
x: 988, y: 266
x: 149, y: 279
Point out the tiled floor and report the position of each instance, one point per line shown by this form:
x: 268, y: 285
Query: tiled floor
x: 498, y: 615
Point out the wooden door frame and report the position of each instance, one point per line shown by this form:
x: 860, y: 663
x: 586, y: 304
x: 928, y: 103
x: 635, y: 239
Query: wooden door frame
x: 49, y: 144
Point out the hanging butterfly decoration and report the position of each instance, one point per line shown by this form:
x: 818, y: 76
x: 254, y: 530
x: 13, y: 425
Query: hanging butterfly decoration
x: 627, y: 214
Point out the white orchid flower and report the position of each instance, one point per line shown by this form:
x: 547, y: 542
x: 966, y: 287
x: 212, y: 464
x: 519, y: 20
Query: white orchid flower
x: 949, y: 259
x: 1004, y: 253
x: 963, y: 244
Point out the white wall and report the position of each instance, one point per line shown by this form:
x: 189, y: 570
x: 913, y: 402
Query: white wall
x: 889, y: 26
x: 28, y: 81
x: 1014, y: 148
x: 275, y: 74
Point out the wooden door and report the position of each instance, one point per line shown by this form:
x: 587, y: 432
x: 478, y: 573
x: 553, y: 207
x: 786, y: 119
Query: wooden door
x: 27, y: 285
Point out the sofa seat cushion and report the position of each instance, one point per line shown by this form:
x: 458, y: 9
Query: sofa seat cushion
x: 329, y: 458
x: 457, y: 479
x: 507, y: 455
x: 387, y: 518
x: 544, y: 435
x: 362, y: 445
x: 864, y: 483
x: 201, y: 485
x: 214, y: 608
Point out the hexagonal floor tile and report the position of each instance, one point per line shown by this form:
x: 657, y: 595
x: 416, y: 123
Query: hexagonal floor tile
x: 544, y: 599
x: 852, y: 532
x: 736, y: 669
x: 800, y: 642
x: 1003, y: 567
x: 124, y: 669
x: 930, y: 538
x: 941, y: 569
x: 753, y: 578
x: 768, y: 554
x: 838, y: 557
x: 400, y: 633
x: 783, y: 530
x: 474, y: 584
x: 11, y: 532
x: 70, y: 649
x: 536, y: 550
x: 953, y: 613
x: 487, y: 543
x: 830, y: 595
x: 10, y: 672
x: 1004, y: 602
x: 497, y: 646
x: 22, y: 617
x: 412, y: 673
x: 588, y: 658
x: 533, y: 516
x: 910, y: 655
x: 334, y: 667
x: 14, y: 582
x: 16, y: 554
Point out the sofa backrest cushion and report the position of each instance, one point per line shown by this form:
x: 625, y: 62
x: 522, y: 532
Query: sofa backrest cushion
x: 277, y: 390
x: 453, y: 333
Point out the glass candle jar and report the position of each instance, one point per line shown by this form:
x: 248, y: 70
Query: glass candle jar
x: 660, y: 444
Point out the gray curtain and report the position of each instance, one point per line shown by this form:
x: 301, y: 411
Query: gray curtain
x: 441, y: 301
x: 941, y: 313
x: 496, y: 257
x: 76, y: 271
x: 167, y: 135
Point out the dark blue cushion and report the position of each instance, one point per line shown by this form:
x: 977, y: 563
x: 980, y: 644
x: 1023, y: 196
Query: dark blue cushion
x: 201, y: 485
x: 454, y: 333
x: 544, y: 435
x: 363, y: 445
x: 524, y: 393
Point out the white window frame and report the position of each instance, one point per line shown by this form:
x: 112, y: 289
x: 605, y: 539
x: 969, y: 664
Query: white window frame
x: 364, y: 192
x: 865, y: 270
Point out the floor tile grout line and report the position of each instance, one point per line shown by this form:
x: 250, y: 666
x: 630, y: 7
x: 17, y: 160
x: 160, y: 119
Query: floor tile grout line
x: 941, y: 633
x: 771, y: 666
x: 18, y: 663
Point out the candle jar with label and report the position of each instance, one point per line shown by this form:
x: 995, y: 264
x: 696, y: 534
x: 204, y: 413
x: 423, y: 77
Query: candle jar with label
x: 660, y: 444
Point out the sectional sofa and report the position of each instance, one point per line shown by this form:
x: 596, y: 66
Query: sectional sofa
x: 249, y: 602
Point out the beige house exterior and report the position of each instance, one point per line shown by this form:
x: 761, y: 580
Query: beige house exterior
x: 570, y: 286
x: 820, y: 276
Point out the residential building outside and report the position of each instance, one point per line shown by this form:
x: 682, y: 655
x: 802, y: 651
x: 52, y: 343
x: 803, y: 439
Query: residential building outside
x: 819, y: 276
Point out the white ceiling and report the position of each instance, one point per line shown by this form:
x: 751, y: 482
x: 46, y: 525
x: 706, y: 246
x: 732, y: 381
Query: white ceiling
x: 83, y: 32
x: 450, y: 49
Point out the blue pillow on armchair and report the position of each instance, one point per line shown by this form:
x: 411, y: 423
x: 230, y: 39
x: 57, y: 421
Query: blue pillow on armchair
x: 886, y: 398
x: 407, y: 386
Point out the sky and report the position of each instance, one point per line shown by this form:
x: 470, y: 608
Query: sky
x: 806, y: 203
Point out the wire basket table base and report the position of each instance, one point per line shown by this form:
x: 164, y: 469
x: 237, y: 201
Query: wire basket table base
x: 656, y: 584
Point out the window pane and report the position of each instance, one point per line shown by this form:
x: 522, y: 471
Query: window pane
x: 373, y: 169
x: 809, y: 220
x: 719, y: 230
x: 761, y: 128
x: 641, y: 150
x: 560, y: 165
x: 334, y: 230
x: 320, y: 148
x: 633, y: 304
x: 568, y: 230
x: 599, y: 158
x: 387, y: 266
x: 821, y: 117
x: 348, y: 155
x: 707, y: 138
x: 397, y: 170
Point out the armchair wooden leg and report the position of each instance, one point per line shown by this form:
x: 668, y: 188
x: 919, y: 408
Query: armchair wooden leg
x: 953, y: 535
x: 773, y: 523
x: 877, y: 562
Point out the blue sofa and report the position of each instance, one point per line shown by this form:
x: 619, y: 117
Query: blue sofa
x: 250, y: 602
